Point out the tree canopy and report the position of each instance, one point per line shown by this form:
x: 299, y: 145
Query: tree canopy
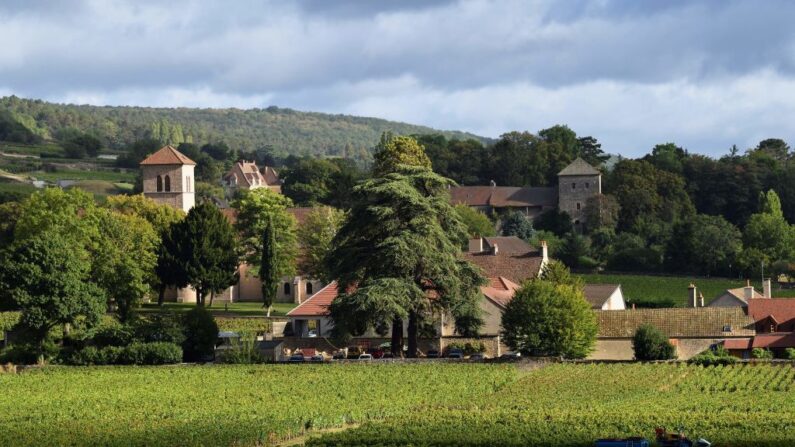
x: 315, y: 237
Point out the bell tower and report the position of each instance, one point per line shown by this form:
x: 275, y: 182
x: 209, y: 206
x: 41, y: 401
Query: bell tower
x: 168, y: 178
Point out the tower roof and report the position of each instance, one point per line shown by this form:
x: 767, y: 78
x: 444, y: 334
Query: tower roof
x: 167, y: 155
x: 579, y: 167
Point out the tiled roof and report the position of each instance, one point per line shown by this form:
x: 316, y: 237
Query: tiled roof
x: 597, y: 294
x: 677, y: 322
x: 739, y: 293
x: 508, y: 245
x: 271, y: 176
x: 500, y: 290
x: 579, y: 167
x: 167, y: 155
x: 775, y: 340
x: 515, y: 267
x: 738, y: 343
x: 316, y: 305
x: 504, y: 196
x: 782, y: 309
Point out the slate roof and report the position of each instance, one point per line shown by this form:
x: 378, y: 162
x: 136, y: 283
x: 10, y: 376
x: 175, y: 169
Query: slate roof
x: 504, y: 196
x: 597, y: 294
x: 677, y: 322
x: 167, y: 155
x: 579, y: 167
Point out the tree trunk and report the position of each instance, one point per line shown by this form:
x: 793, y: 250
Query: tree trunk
x: 269, y: 311
x: 412, y: 329
x: 161, y: 296
x: 397, y: 338
x: 200, y: 297
x: 212, y: 298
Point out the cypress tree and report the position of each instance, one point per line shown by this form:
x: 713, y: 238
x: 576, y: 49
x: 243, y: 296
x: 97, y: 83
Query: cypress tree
x: 268, y: 269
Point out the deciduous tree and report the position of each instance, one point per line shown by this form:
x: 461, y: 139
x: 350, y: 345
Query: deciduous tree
x: 315, y: 236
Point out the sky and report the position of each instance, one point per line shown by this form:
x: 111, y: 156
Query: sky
x: 702, y: 74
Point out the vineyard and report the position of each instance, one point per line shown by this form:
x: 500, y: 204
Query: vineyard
x: 571, y: 405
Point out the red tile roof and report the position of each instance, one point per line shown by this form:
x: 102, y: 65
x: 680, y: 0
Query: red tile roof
x: 167, y: 155
x: 515, y: 267
x: 781, y: 309
x: 318, y: 304
x: 738, y: 343
x: 504, y: 196
x: 775, y: 340
x: 500, y: 290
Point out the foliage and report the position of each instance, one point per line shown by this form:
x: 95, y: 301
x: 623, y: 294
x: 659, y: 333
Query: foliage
x: 549, y: 319
x: 711, y: 358
x: 159, y: 216
x: 243, y: 352
x: 649, y: 343
x: 769, y: 232
x: 703, y: 245
x: 468, y: 348
x: 601, y: 211
x: 79, y: 145
x: 514, y: 223
x: 206, y: 250
x: 254, y: 208
x: 557, y: 273
x: 401, y: 242
x: 315, y: 236
x: 477, y: 223
x: 156, y: 353
x: 311, y: 181
x: 201, y: 333
x: 394, y: 151
x: 762, y: 354
x: 789, y: 353
x: 555, y: 221
x: 268, y: 266
x: 117, y: 404
x: 460, y: 160
x: 573, y: 249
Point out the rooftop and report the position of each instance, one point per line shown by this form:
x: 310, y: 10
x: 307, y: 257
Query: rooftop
x: 597, y: 294
x: 504, y: 196
x: 781, y: 309
x: 677, y: 322
x: 167, y: 155
x: 579, y: 167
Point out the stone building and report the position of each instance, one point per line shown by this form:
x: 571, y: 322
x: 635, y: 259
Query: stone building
x: 577, y: 182
x: 246, y: 175
x: 168, y: 178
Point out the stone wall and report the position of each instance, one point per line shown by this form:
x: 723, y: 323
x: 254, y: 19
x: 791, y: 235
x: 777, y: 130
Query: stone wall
x: 569, y: 197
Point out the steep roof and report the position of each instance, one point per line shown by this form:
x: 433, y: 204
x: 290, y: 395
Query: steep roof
x: 509, y: 244
x: 782, y: 309
x: 167, y: 155
x: 677, y: 322
x: 515, y: 267
x: 271, y: 176
x: 739, y: 293
x: 504, y: 196
x: 579, y: 167
x: 597, y: 294
x: 500, y: 290
x: 318, y: 304
x: 777, y: 340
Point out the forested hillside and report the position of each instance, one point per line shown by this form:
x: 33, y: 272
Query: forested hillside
x: 284, y: 131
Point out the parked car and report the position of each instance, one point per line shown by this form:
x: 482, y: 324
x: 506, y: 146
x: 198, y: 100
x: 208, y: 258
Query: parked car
x: 312, y: 334
x: 478, y: 356
x: 377, y: 353
x: 339, y: 355
x: 432, y: 354
x: 511, y: 355
x: 366, y: 357
x: 317, y: 358
x: 455, y: 354
x: 297, y: 358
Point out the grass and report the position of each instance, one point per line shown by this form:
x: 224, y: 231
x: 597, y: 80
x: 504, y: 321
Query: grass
x: 51, y: 149
x: 74, y: 174
x: 647, y: 290
x: 234, y: 309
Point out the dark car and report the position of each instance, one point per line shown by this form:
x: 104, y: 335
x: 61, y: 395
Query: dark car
x: 339, y: 355
x: 297, y: 358
x: 317, y: 358
x: 432, y: 354
x: 455, y: 354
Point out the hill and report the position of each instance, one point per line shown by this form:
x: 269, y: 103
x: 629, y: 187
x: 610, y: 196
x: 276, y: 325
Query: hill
x: 284, y: 131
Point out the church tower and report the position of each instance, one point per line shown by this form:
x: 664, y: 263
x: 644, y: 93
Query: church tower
x: 168, y: 178
x: 577, y: 182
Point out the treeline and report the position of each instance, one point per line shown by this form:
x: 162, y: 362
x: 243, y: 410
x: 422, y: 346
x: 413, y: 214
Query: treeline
x: 281, y: 131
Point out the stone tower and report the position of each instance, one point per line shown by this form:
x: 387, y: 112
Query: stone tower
x: 168, y: 178
x: 577, y: 182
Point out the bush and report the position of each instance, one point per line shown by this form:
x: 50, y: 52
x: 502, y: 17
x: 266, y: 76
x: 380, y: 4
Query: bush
x: 789, y: 354
x: 160, y: 328
x: 710, y: 358
x: 762, y: 354
x: 91, y: 355
x: 135, y: 354
x: 29, y: 353
x: 113, y: 336
x: 243, y: 352
x: 467, y: 348
x: 651, y: 344
x: 201, y: 333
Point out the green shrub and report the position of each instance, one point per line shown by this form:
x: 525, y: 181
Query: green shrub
x: 113, y: 336
x: 651, y: 344
x: 467, y: 348
x: 91, y: 355
x: 158, y: 353
x: 762, y: 354
x: 29, y: 353
x: 201, y: 333
x: 244, y: 352
x: 713, y: 358
x: 789, y: 354
x: 160, y: 328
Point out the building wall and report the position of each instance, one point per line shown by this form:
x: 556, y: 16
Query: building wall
x: 249, y: 287
x: 616, y: 301
x: 621, y: 349
x: 586, y: 186
x: 182, y: 194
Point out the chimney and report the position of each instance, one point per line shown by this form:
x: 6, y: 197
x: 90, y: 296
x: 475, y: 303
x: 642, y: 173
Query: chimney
x: 700, y: 299
x: 748, y: 291
x: 767, y: 288
x: 495, y: 249
x: 692, y: 300
x: 476, y: 245
x: 544, y: 252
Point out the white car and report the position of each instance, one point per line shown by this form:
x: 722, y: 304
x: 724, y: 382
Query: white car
x: 366, y: 357
x: 312, y: 334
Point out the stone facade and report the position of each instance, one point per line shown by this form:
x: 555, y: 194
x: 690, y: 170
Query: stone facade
x: 290, y: 290
x: 574, y: 191
x: 172, y: 185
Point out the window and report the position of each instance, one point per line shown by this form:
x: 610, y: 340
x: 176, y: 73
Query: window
x: 578, y: 206
x: 587, y: 185
x: 287, y: 288
x: 308, y: 288
x: 187, y: 184
x: 573, y: 186
x: 168, y: 184
x: 159, y: 183
x: 727, y: 328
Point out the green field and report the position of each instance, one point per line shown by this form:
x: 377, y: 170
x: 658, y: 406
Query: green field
x: 73, y: 174
x: 222, y: 405
x: 239, y: 309
x: 673, y: 289
x: 572, y: 405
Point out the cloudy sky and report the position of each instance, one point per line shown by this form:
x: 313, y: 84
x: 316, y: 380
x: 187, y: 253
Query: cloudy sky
x: 705, y: 75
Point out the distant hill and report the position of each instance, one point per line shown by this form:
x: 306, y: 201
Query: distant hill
x: 284, y: 131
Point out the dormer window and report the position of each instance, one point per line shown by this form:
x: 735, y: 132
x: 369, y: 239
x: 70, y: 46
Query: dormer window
x: 727, y: 328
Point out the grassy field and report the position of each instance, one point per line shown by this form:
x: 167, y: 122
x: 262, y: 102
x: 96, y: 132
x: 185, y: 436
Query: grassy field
x: 572, y: 405
x: 239, y: 309
x: 644, y: 289
x: 222, y: 405
x: 73, y: 174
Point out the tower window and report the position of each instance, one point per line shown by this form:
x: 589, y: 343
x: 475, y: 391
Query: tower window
x: 159, y: 183
x: 168, y: 184
x: 578, y: 206
x: 187, y: 184
x: 587, y: 185
x: 287, y: 288
x: 573, y: 186
x: 308, y: 288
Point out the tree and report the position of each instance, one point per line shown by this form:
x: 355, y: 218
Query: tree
x: 601, y: 211
x: 309, y: 181
x: 396, y: 257
x: 548, y: 319
x: 769, y: 232
x: 254, y: 208
x: 514, y: 223
x: 573, y: 249
x: 124, y: 260
x: 48, y: 278
x: 79, y: 144
x: 591, y: 151
x: 393, y: 151
x: 557, y: 273
x: 555, y: 221
x: 201, y: 333
x: 704, y: 244
x: 219, y: 151
x: 315, y: 236
x: 651, y: 344
x: 268, y: 272
x: 478, y: 225
x: 207, y: 251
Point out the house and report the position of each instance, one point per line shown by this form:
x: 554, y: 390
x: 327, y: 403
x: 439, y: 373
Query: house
x: 741, y: 295
x: 774, y: 321
x: 605, y: 296
x: 507, y: 256
x: 691, y: 330
x: 246, y: 175
x: 577, y: 182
